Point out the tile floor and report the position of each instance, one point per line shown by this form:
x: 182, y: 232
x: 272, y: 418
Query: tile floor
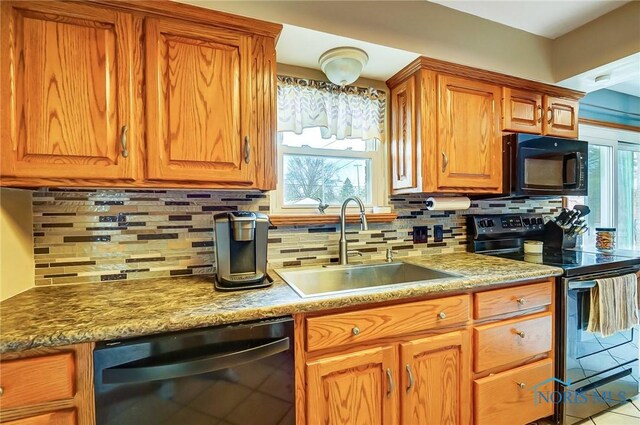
x: 623, y: 414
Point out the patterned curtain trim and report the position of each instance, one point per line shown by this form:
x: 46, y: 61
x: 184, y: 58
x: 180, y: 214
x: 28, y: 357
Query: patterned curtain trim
x: 344, y: 112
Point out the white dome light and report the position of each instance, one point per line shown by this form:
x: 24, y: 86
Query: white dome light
x: 343, y: 65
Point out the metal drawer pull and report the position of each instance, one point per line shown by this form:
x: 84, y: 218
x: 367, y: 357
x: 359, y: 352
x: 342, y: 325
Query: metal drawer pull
x: 410, y: 378
x: 541, y: 112
x: 442, y: 315
x: 355, y: 331
x: 247, y: 150
x: 390, y: 377
x: 123, y: 141
x: 445, y: 161
x: 1, y: 391
x: 520, y: 334
x: 522, y: 301
x: 521, y: 385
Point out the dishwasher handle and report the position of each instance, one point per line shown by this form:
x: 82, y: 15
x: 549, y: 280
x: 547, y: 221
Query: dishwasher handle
x: 131, y: 375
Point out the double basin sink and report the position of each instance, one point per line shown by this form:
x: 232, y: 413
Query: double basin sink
x: 335, y: 279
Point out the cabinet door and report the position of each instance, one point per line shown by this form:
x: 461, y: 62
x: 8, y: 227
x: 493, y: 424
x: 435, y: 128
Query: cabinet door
x: 436, y: 380
x: 354, y: 389
x: 469, y: 136
x: 561, y: 117
x: 63, y: 417
x: 198, y: 104
x: 522, y: 111
x: 403, y: 136
x: 68, y: 82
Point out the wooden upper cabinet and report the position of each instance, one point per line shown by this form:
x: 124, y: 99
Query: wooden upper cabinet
x: 358, y: 388
x: 403, y: 136
x: 522, y: 111
x: 469, y: 148
x: 436, y: 380
x: 561, y: 117
x: 68, y: 84
x: 198, y: 104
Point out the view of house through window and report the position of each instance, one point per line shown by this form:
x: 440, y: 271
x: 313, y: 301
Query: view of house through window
x: 328, y: 170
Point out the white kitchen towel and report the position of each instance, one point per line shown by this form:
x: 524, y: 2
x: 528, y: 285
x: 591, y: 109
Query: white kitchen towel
x: 613, y: 304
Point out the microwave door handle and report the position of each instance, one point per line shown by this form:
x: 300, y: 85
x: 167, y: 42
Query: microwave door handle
x: 130, y: 375
x: 576, y: 170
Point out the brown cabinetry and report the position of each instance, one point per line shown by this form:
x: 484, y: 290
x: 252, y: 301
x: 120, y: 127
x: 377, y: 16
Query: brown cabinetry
x: 469, y: 136
x: 435, y: 380
x: 67, y: 81
x: 531, y: 112
x: 447, y: 122
x: 48, y: 386
x: 354, y: 388
x: 76, y: 112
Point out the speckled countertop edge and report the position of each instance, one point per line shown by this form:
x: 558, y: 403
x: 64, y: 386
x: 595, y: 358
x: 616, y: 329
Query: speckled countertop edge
x: 62, y: 315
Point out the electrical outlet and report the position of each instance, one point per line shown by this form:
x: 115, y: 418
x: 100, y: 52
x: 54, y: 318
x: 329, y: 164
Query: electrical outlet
x: 438, y: 233
x: 420, y: 234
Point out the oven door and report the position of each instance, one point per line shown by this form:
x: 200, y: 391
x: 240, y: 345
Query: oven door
x: 600, y: 371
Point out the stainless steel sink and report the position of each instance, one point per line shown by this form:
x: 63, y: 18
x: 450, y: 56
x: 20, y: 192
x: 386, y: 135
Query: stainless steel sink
x: 336, y: 279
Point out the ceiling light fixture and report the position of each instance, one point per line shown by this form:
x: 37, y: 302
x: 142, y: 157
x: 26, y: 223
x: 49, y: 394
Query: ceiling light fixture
x: 602, y: 78
x: 343, y: 65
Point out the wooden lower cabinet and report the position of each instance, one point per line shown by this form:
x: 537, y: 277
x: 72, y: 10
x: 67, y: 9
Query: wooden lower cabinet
x: 354, y: 389
x: 435, y: 386
x: 48, y: 386
x: 65, y: 417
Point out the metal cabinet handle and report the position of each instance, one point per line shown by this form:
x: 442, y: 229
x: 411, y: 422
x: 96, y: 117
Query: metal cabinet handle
x: 521, y: 301
x: 1, y: 391
x: 442, y: 315
x: 391, y: 386
x: 247, y: 150
x: 520, y: 334
x: 355, y: 331
x: 410, y: 374
x: 123, y: 141
x: 522, y: 385
x: 550, y: 113
x: 540, y: 113
x: 445, y: 161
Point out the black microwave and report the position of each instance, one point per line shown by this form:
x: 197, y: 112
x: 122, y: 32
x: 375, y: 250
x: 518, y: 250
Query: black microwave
x: 544, y: 166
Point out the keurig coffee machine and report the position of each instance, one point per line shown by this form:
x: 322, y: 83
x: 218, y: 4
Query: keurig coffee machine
x: 241, y: 250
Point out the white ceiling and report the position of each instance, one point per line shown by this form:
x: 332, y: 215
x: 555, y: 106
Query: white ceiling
x: 623, y: 76
x: 547, y: 18
x: 303, y: 47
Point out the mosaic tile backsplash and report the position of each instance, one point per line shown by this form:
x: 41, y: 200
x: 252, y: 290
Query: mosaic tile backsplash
x: 83, y: 236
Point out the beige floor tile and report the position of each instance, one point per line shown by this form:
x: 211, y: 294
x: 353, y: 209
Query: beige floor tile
x: 626, y: 409
x: 609, y: 418
x: 587, y: 421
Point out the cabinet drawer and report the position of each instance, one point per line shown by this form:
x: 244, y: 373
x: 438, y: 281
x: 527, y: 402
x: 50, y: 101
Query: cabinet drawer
x: 37, y: 380
x: 509, y: 341
x: 510, y: 398
x: 64, y: 417
x: 511, y: 300
x: 374, y: 323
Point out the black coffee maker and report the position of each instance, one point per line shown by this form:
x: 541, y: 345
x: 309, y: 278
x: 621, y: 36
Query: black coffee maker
x: 241, y: 250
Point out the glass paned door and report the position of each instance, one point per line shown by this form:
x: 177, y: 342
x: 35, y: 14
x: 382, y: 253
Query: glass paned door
x: 628, y: 199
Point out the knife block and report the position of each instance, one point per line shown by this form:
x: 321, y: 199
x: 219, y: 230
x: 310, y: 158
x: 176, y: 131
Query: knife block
x: 556, y: 237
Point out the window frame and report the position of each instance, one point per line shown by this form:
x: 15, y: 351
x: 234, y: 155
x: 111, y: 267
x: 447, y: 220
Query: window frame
x: 378, y: 166
x: 612, y: 138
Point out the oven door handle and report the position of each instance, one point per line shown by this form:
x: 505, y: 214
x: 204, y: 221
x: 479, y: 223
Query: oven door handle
x: 124, y: 374
x: 587, y: 284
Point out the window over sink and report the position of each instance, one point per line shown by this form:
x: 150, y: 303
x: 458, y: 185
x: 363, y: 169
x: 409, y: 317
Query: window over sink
x: 330, y: 146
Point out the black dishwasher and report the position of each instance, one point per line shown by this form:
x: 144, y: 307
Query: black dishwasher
x: 233, y: 375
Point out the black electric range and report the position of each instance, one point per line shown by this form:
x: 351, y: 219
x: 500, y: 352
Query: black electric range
x: 503, y: 236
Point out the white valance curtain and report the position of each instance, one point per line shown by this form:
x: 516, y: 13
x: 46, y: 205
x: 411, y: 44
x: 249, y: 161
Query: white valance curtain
x: 344, y: 112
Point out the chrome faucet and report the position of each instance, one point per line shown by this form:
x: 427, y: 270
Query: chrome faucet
x: 344, y: 253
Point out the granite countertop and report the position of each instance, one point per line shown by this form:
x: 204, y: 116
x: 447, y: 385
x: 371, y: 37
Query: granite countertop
x: 61, y: 315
